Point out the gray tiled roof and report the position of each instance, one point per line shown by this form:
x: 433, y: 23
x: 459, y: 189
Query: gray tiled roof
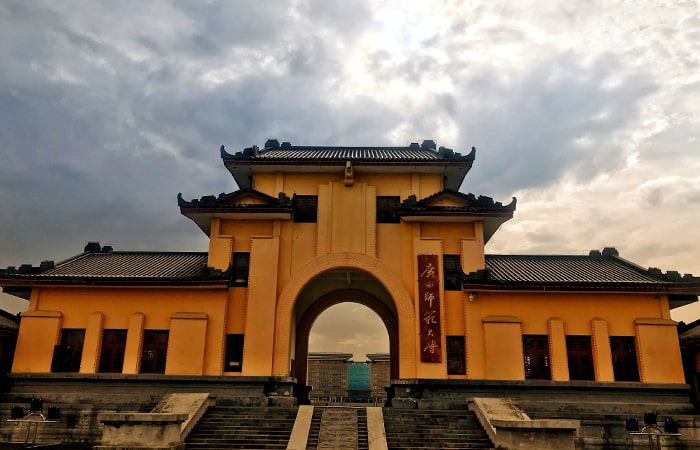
x: 423, y: 158
x: 7, y: 324
x: 367, y: 153
x: 599, y: 271
x: 351, y: 153
x: 561, y: 269
x: 180, y: 265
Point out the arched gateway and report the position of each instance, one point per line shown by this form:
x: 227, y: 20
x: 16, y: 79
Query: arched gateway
x: 398, y: 317
x: 303, y: 327
x: 309, y: 227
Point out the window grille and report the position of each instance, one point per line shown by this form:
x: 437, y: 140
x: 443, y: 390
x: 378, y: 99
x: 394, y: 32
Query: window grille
x: 536, y: 356
x: 386, y: 209
x: 580, y: 356
x: 112, y: 353
x: 154, y: 351
x: 624, y: 356
x: 305, y: 208
x: 67, y: 355
x: 241, y: 269
x: 455, y: 355
x: 452, y: 272
x: 234, y: 353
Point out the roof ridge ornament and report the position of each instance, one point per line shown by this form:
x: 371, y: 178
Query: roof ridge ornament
x: 224, y: 153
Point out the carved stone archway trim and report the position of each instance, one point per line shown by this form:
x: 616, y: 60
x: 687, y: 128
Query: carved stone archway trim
x: 402, y: 301
x: 307, y: 320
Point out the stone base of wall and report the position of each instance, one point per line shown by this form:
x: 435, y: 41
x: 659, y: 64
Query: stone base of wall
x: 546, y: 396
x: 82, y: 396
x: 599, y: 407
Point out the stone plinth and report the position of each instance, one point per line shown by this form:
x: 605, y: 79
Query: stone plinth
x: 136, y: 431
x: 509, y: 427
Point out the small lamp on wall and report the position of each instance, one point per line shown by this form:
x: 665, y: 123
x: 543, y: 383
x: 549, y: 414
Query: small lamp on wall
x: 472, y: 296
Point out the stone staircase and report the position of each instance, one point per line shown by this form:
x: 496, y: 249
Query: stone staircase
x: 362, y: 436
x: 314, y: 429
x: 224, y: 427
x: 434, y: 429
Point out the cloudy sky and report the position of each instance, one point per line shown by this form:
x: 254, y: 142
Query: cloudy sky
x: 587, y: 112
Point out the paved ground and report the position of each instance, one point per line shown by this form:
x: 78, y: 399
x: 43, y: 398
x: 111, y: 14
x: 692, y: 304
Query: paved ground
x: 338, y: 429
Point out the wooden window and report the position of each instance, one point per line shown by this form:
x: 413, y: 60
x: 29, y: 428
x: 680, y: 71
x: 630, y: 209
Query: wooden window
x: 580, y: 356
x: 234, y: 353
x: 386, y: 209
x: 452, y: 272
x: 241, y: 269
x: 112, y: 353
x: 305, y: 208
x: 624, y: 356
x: 154, y: 351
x: 455, y: 355
x: 67, y: 355
x: 536, y: 356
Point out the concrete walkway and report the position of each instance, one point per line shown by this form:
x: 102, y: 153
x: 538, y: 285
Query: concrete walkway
x: 339, y: 429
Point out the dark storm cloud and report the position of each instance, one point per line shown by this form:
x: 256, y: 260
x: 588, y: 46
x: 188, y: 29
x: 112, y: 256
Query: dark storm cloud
x: 97, y: 140
x: 558, y: 116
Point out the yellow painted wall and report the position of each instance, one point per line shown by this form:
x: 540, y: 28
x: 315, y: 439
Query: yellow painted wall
x: 450, y: 233
x: 120, y: 309
x: 559, y: 366
x: 262, y: 299
x: 220, y: 246
x: 285, y: 256
x: 91, y: 345
x: 503, y: 348
x: 454, y: 313
x: 659, y: 351
x: 602, y: 356
x: 560, y: 314
x: 345, y: 225
x: 238, y: 302
x: 37, y: 336
x: 187, y: 344
x: 134, y: 342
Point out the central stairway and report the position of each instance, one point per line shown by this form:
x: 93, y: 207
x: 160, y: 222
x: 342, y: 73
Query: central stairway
x: 337, y: 428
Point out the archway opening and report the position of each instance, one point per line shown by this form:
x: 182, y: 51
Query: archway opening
x: 349, y: 359
x: 307, y: 316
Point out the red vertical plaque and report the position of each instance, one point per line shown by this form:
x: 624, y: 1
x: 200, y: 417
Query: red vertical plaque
x: 429, y: 309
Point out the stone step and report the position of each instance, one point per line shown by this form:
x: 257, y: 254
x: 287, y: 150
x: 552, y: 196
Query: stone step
x: 238, y: 427
x: 433, y: 429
